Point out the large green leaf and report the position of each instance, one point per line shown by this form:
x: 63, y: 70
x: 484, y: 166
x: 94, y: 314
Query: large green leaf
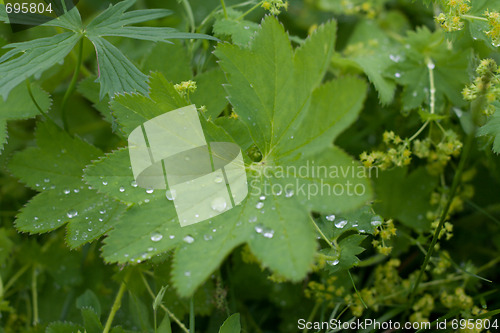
x: 64, y: 198
x: 276, y: 224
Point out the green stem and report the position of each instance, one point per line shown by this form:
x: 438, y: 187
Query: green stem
x: 430, y: 66
x: 30, y: 92
x: 250, y: 10
x: 224, y: 8
x: 14, y: 278
x: 117, y: 303
x: 356, y: 289
x: 419, y: 131
x: 454, y: 187
x: 72, y: 84
x: 311, y: 316
x: 322, y: 234
x: 472, y: 17
x: 34, y: 295
x: 174, y: 318
x: 191, y: 315
x: 189, y: 12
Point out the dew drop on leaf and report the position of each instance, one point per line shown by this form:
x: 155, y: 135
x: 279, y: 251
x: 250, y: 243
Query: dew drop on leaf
x: 72, y: 213
x: 218, y: 179
x: 133, y: 183
x: 149, y: 190
x: 218, y: 204
x: 122, y: 189
x: 289, y: 193
x: 330, y: 218
x: 188, y: 239
x: 259, y: 205
x: 156, y: 237
x: 341, y: 224
x: 170, y: 194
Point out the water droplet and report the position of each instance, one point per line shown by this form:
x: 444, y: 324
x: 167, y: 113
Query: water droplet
x: 76, y: 190
x: 188, y: 239
x: 67, y: 191
x: 262, y: 198
x: 268, y: 234
x: 414, y: 94
x: 122, y: 189
x: 341, y: 224
x: 334, y: 263
x: 395, y: 58
x: 149, y: 190
x: 104, y: 183
x: 72, y: 213
x: 375, y: 222
x: 207, y: 237
x: 331, y: 218
x: 133, y: 183
x: 246, y: 27
x: 259, y: 229
x: 156, y: 236
x: 289, y: 193
x: 218, y: 204
x: 151, y: 249
x: 102, y: 211
x: 252, y: 219
x: 397, y: 75
x: 431, y: 65
x: 187, y: 158
x: 259, y: 205
x: 170, y: 194
x: 218, y: 179
x: 46, y: 180
x: 171, y: 236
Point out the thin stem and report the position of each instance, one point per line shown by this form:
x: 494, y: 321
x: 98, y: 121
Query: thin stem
x: 30, y: 92
x: 356, y: 290
x: 430, y: 66
x: 189, y: 12
x: 34, y: 295
x: 472, y: 17
x: 249, y: 11
x: 191, y: 315
x: 311, y: 316
x: 174, y: 318
x: 454, y: 187
x: 321, y: 233
x: 16, y: 276
x: 223, y: 4
x: 419, y: 131
x: 116, y: 304
x: 72, y: 84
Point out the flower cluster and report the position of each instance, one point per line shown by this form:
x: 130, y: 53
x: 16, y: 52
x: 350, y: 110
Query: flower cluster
x: 487, y: 83
x: 385, y: 231
x: 398, y: 153
x: 423, y: 308
x: 185, y: 87
x: 452, y: 21
x: 438, y: 155
x: 459, y: 299
x: 494, y: 25
x: 326, y: 292
x: 275, y: 6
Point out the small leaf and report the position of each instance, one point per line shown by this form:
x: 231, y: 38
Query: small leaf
x: 89, y: 300
x: 492, y: 128
x: 231, y: 325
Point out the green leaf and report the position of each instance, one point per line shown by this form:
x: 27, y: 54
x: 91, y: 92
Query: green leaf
x: 412, y: 72
x: 349, y: 249
x: 210, y: 92
x: 65, y: 198
x: 271, y: 222
x: 90, y: 90
x: 20, y: 106
x: 405, y: 197
x: 165, y: 326
x: 231, y: 324
x: 116, y: 73
x: 91, y: 321
x: 239, y: 30
x: 492, y: 128
x: 89, y: 300
x: 36, y: 56
x: 162, y: 57
x: 58, y: 327
x: 372, y: 50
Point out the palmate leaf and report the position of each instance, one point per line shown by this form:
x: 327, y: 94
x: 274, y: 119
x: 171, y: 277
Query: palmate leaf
x: 412, y: 72
x: 275, y: 224
x: 60, y: 160
x: 20, y: 106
